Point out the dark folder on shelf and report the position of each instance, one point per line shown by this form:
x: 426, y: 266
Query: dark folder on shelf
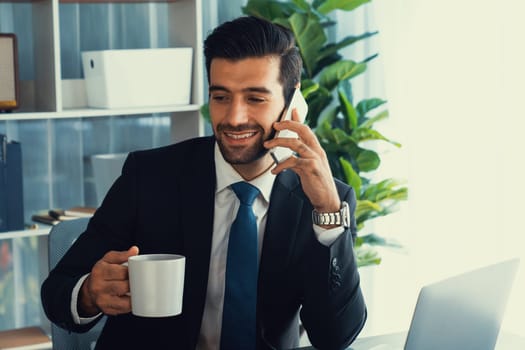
x: 11, y: 186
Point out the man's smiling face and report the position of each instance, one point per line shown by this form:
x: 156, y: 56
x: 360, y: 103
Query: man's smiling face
x: 246, y: 98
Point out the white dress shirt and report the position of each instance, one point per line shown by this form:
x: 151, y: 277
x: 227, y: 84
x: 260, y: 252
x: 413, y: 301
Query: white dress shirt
x: 226, y: 206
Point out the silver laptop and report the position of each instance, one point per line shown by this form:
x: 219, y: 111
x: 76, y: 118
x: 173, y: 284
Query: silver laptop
x: 463, y: 312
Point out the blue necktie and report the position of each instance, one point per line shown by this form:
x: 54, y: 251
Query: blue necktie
x: 240, y: 292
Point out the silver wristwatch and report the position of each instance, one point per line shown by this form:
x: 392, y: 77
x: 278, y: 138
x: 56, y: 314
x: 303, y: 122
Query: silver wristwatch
x: 341, y: 217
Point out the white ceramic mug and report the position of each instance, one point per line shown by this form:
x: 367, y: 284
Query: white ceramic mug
x: 156, y: 284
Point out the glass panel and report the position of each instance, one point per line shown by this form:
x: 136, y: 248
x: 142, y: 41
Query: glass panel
x: 33, y: 136
x: 161, y: 130
x: 70, y: 58
x: 67, y: 172
x: 16, y: 18
x: 7, y: 290
x: 95, y: 26
x: 86, y: 27
x: 132, y: 133
x: 6, y: 17
x: 133, y: 26
x: 96, y: 140
x: 26, y: 281
x: 159, y: 25
x: 19, y: 283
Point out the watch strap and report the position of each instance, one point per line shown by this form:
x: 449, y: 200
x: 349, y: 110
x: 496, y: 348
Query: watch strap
x: 340, y: 218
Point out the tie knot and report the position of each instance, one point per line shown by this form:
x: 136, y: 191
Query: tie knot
x: 245, y: 192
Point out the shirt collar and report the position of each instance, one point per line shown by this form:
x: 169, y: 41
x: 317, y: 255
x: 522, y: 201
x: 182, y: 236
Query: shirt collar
x: 228, y: 176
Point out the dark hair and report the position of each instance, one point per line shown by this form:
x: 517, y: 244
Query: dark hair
x: 250, y: 36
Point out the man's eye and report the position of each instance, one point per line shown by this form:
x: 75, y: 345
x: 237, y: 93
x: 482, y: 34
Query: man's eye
x: 219, y: 98
x: 255, y: 99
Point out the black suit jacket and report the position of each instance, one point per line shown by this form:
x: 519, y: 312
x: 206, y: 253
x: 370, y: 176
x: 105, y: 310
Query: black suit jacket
x: 163, y: 202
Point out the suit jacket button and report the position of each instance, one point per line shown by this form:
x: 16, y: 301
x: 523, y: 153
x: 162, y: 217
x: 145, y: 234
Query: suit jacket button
x: 336, y: 277
x: 335, y: 284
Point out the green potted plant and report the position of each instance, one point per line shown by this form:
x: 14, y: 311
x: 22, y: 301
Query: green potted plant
x: 341, y: 125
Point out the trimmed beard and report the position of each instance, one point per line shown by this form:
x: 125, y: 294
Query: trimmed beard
x: 242, y: 154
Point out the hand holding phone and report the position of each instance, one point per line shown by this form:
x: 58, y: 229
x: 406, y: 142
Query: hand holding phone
x: 280, y: 154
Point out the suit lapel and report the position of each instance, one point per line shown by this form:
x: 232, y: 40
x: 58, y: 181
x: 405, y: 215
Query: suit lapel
x: 198, y: 190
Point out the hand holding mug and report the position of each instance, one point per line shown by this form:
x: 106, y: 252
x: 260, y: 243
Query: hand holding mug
x: 106, y: 289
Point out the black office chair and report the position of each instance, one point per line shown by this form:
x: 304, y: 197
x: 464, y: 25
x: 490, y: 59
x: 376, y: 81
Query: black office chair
x: 61, y: 237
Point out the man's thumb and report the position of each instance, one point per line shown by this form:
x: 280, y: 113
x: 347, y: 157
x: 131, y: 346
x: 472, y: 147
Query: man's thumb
x: 119, y: 257
x: 134, y: 250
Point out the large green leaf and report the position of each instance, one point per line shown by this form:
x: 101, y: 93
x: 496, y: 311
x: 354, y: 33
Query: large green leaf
x: 336, y: 72
x: 365, y: 206
x: 370, y: 58
x: 335, y: 166
x: 269, y: 9
x: 365, y: 134
x: 366, y: 256
x: 351, y: 176
x: 324, y: 130
x: 340, y: 136
x: 308, y: 87
x: 370, y: 215
x: 317, y: 101
x: 325, y: 61
x: 302, y: 4
x: 393, y: 197
x: 368, y: 160
x: 310, y: 38
x: 386, y: 189
x: 366, y: 210
x: 364, y: 106
x: 347, y: 108
x: 368, y: 122
x: 328, y: 116
x: 400, y: 194
x: 333, y: 48
x: 374, y: 188
x: 338, y: 142
x: 374, y: 239
x: 346, y: 5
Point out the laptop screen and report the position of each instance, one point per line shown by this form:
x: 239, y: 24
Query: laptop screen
x: 462, y: 312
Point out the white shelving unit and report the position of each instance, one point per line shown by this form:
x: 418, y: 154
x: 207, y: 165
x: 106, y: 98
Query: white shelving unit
x: 96, y: 112
x: 42, y: 99
x: 43, y: 231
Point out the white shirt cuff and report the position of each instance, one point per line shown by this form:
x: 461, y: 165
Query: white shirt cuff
x: 328, y: 236
x: 74, y: 299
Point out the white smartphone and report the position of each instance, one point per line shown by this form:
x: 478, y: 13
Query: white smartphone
x: 298, y: 102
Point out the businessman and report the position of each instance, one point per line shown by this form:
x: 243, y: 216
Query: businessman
x: 186, y: 199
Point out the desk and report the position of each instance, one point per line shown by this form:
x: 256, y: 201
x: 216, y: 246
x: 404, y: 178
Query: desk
x: 32, y: 338
x: 506, y: 341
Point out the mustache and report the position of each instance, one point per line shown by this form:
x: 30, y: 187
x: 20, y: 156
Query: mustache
x: 239, y: 128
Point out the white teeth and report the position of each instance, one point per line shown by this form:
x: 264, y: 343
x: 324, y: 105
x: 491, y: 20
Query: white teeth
x: 240, y: 136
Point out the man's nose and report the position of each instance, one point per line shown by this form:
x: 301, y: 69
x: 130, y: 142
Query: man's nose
x: 238, y: 112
